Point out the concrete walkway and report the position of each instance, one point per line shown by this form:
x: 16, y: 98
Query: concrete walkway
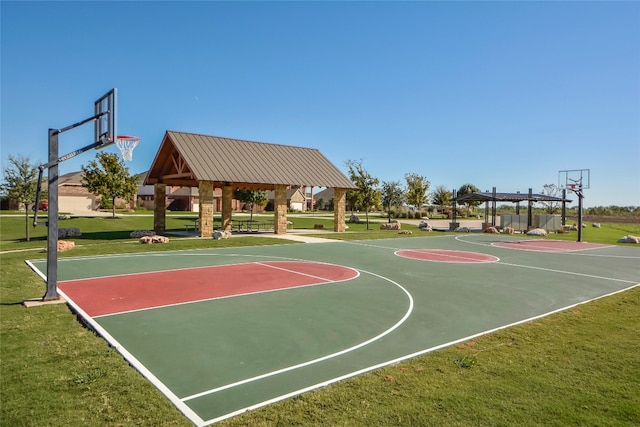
x: 293, y: 235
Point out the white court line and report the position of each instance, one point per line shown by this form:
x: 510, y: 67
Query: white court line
x: 439, y: 252
x: 198, y: 421
x: 571, y: 273
x: 195, y: 301
x: 543, y: 248
x: 167, y: 270
x: 36, y: 270
x: 176, y: 252
x: 293, y: 272
x: 580, y: 252
x: 413, y: 239
x: 133, y: 361
x: 403, y: 358
x: 320, y: 359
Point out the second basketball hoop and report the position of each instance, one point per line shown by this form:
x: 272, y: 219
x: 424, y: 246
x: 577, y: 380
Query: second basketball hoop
x: 126, y: 144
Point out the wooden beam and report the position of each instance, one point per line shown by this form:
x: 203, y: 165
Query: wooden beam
x: 181, y: 182
x: 187, y: 175
x: 253, y: 186
x: 178, y: 163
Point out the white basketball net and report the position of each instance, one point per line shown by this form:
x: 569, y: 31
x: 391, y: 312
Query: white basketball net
x: 126, y: 144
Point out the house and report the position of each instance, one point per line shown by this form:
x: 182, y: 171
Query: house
x: 296, y: 200
x: 324, y: 199
x: 73, y: 197
x: 178, y: 198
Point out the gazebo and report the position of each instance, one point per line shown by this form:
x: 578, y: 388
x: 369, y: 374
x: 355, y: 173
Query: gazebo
x: 209, y: 162
x: 517, y: 198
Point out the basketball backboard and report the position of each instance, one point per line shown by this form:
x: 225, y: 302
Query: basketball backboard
x: 105, y: 124
x: 577, y: 179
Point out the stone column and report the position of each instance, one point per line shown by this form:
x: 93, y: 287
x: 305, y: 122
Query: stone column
x: 205, y: 189
x: 227, y: 198
x: 160, y: 208
x: 280, y: 209
x: 339, y: 208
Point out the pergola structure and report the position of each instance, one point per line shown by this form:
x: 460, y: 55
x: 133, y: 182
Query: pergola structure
x: 517, y: 198
x: 209, y: 162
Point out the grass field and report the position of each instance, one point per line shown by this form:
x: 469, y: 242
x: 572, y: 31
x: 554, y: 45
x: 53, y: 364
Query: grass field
x: 578, y: 367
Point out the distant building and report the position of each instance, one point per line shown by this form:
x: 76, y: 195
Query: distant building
x: 73, y: 197
x: 295, y: 200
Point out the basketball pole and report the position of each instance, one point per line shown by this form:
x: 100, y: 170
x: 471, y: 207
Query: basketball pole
x: 52, y: 224
x: 579, y: 193
x: 52, y: 214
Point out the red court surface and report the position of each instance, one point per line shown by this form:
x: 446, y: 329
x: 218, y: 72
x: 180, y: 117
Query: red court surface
x: 442, y: 255
x: 548, y: 245
x: 116, y: 294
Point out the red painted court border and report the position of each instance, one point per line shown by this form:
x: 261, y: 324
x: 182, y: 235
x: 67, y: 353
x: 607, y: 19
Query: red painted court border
x: 548, y: 245
x: 445, y: 255
x: 117, y: 294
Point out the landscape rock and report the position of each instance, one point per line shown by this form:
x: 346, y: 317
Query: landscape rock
x: 537, y: 232
x: 491, y: 230
x: 425, y: 226
x: 221, y: 234
x: 354, y: 219
x: 64, y: 245
x: 390, y: 226
x: 629, y: 239
x: 154, y: 239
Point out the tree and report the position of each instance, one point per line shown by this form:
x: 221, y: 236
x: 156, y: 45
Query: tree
x: 109, y: 177
x: 417, y: 187
x: 365, y: 195
x: 392, y: 195
x: 251, y: 197
x: 20, y: 184
x: 554, y: 191
x: 441, y: 196
x: 469, y: 189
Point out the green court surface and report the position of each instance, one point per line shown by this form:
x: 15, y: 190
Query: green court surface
x: 278, y: 327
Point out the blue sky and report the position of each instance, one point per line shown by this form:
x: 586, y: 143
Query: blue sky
x: 497, y: 94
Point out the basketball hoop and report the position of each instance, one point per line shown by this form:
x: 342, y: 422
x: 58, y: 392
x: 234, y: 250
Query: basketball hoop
x: 126, y: 144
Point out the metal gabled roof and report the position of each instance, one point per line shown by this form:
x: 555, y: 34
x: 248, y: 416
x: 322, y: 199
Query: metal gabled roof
x: 508, y: 197
x: 187, y: 158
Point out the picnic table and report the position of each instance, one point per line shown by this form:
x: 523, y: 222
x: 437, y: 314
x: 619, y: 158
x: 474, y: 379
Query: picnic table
x: 246, y: 225
x: 195, y: 226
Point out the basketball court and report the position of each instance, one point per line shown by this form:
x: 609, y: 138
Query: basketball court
x: 223, y: 331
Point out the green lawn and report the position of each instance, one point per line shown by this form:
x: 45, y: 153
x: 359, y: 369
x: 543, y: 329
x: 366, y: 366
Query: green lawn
x: 578, y: 367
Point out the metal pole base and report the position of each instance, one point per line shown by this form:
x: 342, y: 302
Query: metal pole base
x: 39, y: 302
x: 48, y: 297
